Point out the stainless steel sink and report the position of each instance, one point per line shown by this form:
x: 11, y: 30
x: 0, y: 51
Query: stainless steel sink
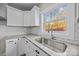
x: 52, y: 44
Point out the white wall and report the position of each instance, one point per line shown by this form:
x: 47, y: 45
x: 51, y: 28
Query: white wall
x: 77, y: 32
x: 69, y: 34
x: 46, y: 6
x: 5, y: 30
x: 77, y: 24
x: 38, y: 30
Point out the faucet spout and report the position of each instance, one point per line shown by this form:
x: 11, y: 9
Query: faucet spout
x: 52, y: 36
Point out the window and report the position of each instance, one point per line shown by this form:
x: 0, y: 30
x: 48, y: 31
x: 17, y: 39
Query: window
x: 56, y: 19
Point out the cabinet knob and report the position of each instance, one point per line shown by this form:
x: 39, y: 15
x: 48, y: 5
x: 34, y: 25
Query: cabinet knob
x: 26, y: 42
x: 15, y: 42
x: 37, y: 51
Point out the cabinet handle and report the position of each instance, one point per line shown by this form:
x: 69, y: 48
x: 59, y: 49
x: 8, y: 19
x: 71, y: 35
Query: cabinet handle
x: 23, y: 37
x: 37, y: 51
x: 10, y: 41
x: 37, y: 55
x: 15, y: 42
x: 26, y: 42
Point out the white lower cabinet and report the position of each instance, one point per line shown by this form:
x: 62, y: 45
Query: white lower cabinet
x: 20, y: 46
x: 32, y: 50
x: 37, y: 51
x: 11, y: 47
x: 15, y: 47
x: 28, y: 48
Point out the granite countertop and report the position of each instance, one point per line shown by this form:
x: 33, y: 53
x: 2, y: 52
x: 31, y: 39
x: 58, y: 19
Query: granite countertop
x: 47, y: 50
x: 68, y: 41
x: 12, y: 37
x: 73, y: 42
x: 72, y: 46
x: 32, y: 38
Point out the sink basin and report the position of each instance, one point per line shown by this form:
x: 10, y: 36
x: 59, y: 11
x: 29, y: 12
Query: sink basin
x: 52, y: 44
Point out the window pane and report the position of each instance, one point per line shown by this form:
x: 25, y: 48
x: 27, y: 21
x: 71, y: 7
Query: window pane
x: 47, y: 17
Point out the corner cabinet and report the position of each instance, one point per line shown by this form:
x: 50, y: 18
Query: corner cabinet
x: 35, y: 16
x: 14, y: 17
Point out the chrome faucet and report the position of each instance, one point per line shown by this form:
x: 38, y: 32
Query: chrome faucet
x: 51, y: 32
x: 52, y: 36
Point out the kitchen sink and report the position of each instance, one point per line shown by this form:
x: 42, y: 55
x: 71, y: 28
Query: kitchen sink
x: 53, y: 44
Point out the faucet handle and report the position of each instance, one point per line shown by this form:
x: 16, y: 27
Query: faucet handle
x: 53, y: 37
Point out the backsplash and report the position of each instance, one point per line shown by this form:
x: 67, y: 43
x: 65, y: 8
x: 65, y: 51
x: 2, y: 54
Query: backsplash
x: 69, y: 34
x: 7, y: 30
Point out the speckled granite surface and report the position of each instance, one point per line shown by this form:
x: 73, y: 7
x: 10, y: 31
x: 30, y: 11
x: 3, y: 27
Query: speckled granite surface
x: 72, y: 48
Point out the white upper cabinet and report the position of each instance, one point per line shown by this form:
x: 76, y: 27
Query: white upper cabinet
x: 31, y: 18
x: 14, y: 17
x: 35, y: 15
x: 17, y: 17
x: 27, y: 20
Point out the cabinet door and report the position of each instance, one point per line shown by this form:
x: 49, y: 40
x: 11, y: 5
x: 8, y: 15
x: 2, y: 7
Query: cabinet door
x: 28, y: 48
x: 20, y: 46
x: 35, y: 16
x: 32, y: 18
x: 11, y: 47
x: 14, y: 17
x: 27, y: 21
x: 37, y: 51
x: 32, y: 50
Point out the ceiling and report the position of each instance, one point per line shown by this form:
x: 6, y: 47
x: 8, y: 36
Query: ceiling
x: 23, y: 6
